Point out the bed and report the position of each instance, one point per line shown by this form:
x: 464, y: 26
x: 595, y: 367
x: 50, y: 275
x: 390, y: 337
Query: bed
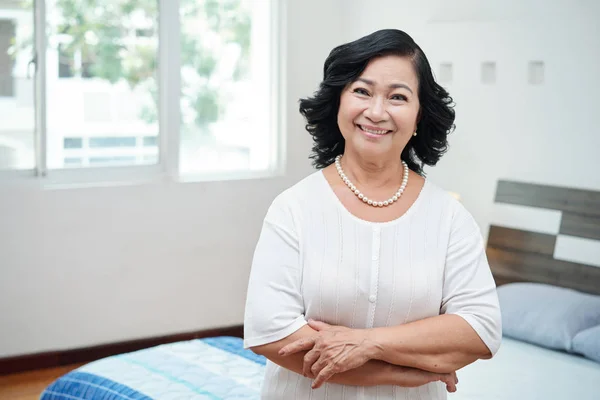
x: 525, y: 371
x: 534, y: 241
x: 518, y: 251
x: 212, y: 368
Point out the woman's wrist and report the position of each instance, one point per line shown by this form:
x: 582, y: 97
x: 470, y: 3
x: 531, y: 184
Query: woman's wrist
x: 375, y: 347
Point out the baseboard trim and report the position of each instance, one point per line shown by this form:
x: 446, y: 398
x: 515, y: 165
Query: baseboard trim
x: 28, y: 362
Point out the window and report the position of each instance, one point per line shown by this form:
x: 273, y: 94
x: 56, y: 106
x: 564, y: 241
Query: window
x: 225, y: 105
x: 111, y: 160
x: 115, y: 141
x: 102, y: 151
x: 17, y: 112
x: 73, y: 161
x: 72, y: 143
x: 102, y: 100
x: 106, y: 78
x: 7, y: 34
x: 150, y: 141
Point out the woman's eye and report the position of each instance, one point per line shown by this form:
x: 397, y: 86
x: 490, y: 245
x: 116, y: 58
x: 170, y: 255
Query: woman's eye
x: 399, y: 97
x: 361, y: 91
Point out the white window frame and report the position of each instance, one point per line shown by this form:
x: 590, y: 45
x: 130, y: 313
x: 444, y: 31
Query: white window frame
x: 169, y: 112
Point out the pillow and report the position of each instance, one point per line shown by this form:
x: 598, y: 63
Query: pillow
x: 587, y: 343
x: 546, y: 315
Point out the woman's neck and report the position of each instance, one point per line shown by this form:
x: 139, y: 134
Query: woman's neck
x: 372, y: 173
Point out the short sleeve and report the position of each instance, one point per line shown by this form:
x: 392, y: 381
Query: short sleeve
x: 469, y: 288
x: 274, y: 304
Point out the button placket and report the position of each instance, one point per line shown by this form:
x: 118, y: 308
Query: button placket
x: 376, y: 244
x: 376, y: 247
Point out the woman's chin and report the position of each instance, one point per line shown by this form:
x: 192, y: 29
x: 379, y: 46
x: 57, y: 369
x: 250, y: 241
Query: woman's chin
x: 370, y: 148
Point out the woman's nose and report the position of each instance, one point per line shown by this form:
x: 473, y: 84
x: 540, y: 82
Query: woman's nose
x: 376, y: 110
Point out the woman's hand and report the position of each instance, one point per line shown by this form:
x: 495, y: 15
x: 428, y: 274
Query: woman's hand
x: 335, y: 349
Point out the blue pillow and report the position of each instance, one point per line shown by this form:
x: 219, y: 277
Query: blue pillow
x: 546, y: 315
x: 587, y: 343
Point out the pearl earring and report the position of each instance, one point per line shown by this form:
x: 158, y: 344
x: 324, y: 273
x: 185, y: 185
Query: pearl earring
x: 415, y: 134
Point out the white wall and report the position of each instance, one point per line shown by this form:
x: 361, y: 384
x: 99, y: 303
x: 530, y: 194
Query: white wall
x: 511, y: 130
x: 81, y: 267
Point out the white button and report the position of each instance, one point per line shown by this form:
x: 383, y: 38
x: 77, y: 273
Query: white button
x: 372, y: 298
x: 375, y: 257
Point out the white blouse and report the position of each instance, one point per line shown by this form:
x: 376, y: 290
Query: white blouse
x: 314, y: 259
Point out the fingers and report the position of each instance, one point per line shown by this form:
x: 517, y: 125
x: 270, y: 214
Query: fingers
x: 298, y: 345
x: 325, y: 374
x: 450, y: 380
x: 318, y: 325
x: 318, y: 366
x: 451, y: 388
x: 309, y: 360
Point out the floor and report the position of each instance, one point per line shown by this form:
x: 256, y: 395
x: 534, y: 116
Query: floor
x: 29, y: 385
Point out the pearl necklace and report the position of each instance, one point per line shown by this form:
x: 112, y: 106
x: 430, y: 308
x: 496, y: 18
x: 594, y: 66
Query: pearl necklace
x: 364, y: 198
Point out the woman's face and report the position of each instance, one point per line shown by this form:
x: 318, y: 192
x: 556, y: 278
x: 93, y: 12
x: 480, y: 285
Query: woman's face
x: 378, y: 112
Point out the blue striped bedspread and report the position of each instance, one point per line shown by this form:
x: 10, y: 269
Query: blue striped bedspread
x: 213, y: 368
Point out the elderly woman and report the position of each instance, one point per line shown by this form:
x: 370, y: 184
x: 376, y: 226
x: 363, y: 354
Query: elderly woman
x: 368, y: 281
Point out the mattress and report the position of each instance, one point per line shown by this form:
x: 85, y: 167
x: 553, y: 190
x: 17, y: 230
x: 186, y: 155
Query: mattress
x: 213, y: 368
x: 525, y: 371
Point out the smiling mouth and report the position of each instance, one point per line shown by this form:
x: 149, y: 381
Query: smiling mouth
x: 379, y: 132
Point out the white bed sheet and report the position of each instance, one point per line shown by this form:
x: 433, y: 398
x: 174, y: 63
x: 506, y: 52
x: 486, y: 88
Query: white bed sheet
x: 524, y: 371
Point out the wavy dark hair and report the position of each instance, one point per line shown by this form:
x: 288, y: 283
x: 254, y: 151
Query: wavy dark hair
x: 344, y: 65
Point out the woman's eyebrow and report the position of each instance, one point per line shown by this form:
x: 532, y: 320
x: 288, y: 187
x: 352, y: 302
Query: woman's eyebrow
x: 392, y: 86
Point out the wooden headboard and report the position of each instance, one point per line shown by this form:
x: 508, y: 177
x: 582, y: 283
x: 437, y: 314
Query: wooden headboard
x: 545, y: 234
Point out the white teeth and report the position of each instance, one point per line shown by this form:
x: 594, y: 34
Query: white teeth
x: 372, y: 131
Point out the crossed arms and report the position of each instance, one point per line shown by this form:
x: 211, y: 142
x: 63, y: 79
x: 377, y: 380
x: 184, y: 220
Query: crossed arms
x: 408, y: 355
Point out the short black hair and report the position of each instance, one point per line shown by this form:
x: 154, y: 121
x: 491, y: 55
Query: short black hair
x: 344, y: 65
